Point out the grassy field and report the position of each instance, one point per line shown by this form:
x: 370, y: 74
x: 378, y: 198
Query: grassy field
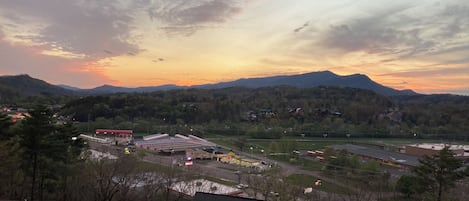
x: 310, y: 143
x: 299, y: 161
x: 260, y: 144
x: 308, y: 181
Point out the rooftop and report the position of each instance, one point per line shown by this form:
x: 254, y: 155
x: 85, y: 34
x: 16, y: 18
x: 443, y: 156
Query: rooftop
x: 97, y: 155
x: 440, y: 146
x: 206, y: 186
x: 372, y: 152
x: 164, y: 142
x: 200, y: 196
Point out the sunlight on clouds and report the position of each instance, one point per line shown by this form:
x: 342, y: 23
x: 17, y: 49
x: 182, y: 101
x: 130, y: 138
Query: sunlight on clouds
x: 417, y: 45
x: 64, y: 54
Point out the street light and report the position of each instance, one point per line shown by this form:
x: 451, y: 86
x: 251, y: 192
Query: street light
x: 172, y: 159
x: 251, y: 150
x: 239, y: 176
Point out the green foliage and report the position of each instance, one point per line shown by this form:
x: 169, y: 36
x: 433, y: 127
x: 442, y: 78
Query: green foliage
x: 308, y: 181
x: 409, y: 185
x: 329, y: 152
x: 342, y: 161
x: 259, y: 132
x: 47, y: 151
x: 362, y: 174
x: 269, y: 107
x: 371, y: 165
x: 240, y: 143
x: 440, y: 172
x: 10, y: 176
x: 283, y: 146
x: 5, y: 123
x: 309, y: 111
x: 141, y: 153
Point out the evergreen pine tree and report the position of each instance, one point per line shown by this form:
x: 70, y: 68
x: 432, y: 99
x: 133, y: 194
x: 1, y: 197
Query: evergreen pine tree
x: 440, y: 172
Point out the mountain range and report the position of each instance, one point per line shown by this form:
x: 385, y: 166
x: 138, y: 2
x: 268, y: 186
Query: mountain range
x: 313, y: 79
x: 26, y: 85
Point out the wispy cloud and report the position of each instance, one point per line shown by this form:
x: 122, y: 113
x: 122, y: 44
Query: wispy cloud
x: 81, y: 36
x: 194, y: 12
x: 424, y: 43
x: 384, y: 32
x: 19, y: 59
x: 301, y: 27
x: 432, y: 71
x: 399, y: 32
x: 80, y: 27
x: 186, y: 17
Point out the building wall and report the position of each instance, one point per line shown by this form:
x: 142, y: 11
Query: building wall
x: 419, y: 151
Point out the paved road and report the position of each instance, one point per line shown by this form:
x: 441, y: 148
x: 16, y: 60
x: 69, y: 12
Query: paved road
x: 197, y: 168
x: 215, y: 171
x: 288, y: 169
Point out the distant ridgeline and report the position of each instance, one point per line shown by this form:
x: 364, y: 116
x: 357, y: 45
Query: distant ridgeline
x: 26, y: 85
x: 300, y: 106
x: 275, y: 111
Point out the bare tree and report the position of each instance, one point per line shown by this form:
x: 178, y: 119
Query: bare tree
x: 104, y: 179
x: 273, y: 187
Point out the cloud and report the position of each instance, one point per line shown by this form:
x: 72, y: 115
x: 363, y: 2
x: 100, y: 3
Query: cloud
x: 65, y: 41
x: 19, y: 59
x: 425, y: 32
x: 424, y: 43
x: 77, y: 37
x: 186, y: 17
x: 79, y: 27
x: 464, y: 92
x: 384, y: 32
x: 431, y: 71
x: 301, y: 27
x: 88, y: 27
x: 158, y: 60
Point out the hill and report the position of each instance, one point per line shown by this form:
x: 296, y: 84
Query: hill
x: 254, y: 111
x: 314, y: 79
x: 24, y: 85
x: 109, y: 89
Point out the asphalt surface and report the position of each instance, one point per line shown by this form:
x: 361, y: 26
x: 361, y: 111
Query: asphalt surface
x: 400, y: 158
x: 212, y: 168
x: 288, y: 169
x: 196, y: 168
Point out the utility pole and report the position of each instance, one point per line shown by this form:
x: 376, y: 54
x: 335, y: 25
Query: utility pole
x: 88, y: 130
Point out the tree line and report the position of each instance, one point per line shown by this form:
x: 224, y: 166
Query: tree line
x: 43, y: 160
x: 39, y: 156
x: 310, y: 111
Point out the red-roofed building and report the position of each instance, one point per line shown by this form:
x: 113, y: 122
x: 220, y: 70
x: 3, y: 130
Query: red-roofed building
x: 114, y: 133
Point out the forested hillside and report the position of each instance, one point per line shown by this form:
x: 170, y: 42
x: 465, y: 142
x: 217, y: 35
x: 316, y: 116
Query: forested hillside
x: 273, y: 111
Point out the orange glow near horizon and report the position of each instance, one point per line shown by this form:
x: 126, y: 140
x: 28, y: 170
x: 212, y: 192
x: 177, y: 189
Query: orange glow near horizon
x: 405, y: 45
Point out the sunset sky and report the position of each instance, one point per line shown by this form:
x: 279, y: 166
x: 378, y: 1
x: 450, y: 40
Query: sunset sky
x: 418, y: 45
